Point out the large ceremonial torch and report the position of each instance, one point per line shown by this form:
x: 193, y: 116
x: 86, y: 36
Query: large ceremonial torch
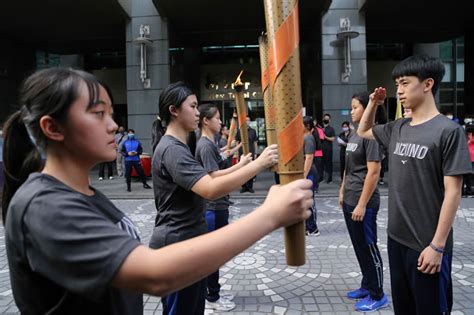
x: 232, y: 130
x: 267, y: 96
x: 241, y: 113
x: 285, y: 83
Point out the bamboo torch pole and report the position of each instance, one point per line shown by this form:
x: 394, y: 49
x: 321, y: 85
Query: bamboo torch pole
x: 270, y: 126
x: 232, y: 130
x: 241, y: 113
x: 284, y: 77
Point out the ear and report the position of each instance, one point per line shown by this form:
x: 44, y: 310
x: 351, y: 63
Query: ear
x: 51, y: 129
x: 428, y: 85
x: 173, y: 111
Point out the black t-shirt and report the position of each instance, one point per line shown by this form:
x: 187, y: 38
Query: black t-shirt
x: 252, y: 135
x: 419, y: 158
x: 328, y: 132
x: 208, y: 155
x: 180, y: 211
x: 359, y: 151
x: 64, y: 249
x: 309, y: 148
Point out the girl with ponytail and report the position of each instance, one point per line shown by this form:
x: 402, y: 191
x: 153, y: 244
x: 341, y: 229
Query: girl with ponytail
x: 70, y: 250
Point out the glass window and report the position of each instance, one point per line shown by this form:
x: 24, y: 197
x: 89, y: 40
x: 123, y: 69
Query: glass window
x: 460, y: 72
x: 446, y: 50
x: 447, y: 76
x: 446, y: 97
x: 460, y: 99
x: 460, y: 52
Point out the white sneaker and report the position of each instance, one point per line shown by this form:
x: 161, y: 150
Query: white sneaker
x: 111, y: 177
x: 226, y: 296
x: 220, y: 305
x: 101, y: 178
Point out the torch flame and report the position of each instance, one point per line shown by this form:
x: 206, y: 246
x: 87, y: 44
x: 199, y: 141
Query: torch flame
x: 238, y: 81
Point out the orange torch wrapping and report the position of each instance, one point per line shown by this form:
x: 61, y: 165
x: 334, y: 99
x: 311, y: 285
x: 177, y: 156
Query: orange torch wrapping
x: 285, y: 83
x: 267, y: 96
x: 232, y: 130
x: 241, y: 113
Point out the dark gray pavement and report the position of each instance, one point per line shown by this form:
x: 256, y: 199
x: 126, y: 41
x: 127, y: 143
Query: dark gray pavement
x: 260, y: 278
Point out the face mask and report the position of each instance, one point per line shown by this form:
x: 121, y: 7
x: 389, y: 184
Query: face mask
x: 326, y: 121
x: 345, y: 129
x: 131, y: 136
x: 450, y: 116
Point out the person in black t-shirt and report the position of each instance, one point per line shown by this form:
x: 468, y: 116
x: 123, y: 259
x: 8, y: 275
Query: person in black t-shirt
x: 69, y: 249
x: 181, y: 185
x: 359, y: 199
x: 217, y: 211
x: 310, y: 172
x: 329, y: 137
x: 428, y: 155
x: 342, y: 140
x: 253, y: 140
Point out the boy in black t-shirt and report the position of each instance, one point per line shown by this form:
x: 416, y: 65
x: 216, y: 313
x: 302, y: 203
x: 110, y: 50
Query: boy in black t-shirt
x: 428, y: 155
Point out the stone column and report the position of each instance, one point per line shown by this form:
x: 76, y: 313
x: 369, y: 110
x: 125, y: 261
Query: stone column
x: 142, y: 103
x: 336, y: 94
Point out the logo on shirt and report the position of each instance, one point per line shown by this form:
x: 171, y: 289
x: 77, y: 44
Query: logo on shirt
x: 404, y: 161
x: 411, y: 150
x: 352, y: 147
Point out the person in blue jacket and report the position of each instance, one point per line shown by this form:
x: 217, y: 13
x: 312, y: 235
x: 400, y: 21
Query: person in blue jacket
x: 131, y: 149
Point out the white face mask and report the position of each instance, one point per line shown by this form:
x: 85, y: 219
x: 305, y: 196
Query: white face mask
x: 345, y: 129
x: 449, y: 116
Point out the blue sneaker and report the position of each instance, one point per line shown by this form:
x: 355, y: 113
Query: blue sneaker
x: 358, y: 294
x: 368, y: 305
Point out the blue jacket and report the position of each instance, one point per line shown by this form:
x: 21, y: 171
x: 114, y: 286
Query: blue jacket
x: 132, y: 145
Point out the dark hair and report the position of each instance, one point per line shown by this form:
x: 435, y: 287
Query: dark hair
x: 363, y: 98
x: 131, y: 130
x: 422, y: 67
x: 48, y: 92
x: 173, y: 95
x: 345, y: 123
x: 208, y: 111
x: 157, y: 132
x: 329, y: 115
x: 308, y: 123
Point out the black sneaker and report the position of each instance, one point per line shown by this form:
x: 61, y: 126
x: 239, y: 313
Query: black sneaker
x: 129, y: 189
x: 250, y: 190
x: 314, y: 233
x: 146, y: 186
x: 242, y: 190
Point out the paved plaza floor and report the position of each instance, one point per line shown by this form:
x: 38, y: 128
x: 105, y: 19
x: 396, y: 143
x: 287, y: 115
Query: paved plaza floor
x: 264, y: 284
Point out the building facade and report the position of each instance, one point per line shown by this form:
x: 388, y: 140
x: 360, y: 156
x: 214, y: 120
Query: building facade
x: 139, y: 46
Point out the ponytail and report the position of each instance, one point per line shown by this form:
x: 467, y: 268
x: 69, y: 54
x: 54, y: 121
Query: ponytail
x: 48, y: 92
x: 157, y: 132
x: 20, y: 158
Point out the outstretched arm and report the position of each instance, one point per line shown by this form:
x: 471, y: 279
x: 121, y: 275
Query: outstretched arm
x: 368, y: 118
x: 159, y: 272
x: 212, y: 188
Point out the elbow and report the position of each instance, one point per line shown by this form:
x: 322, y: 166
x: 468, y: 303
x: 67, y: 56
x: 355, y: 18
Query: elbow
x: 162, y: 288
x: 211, y: 193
